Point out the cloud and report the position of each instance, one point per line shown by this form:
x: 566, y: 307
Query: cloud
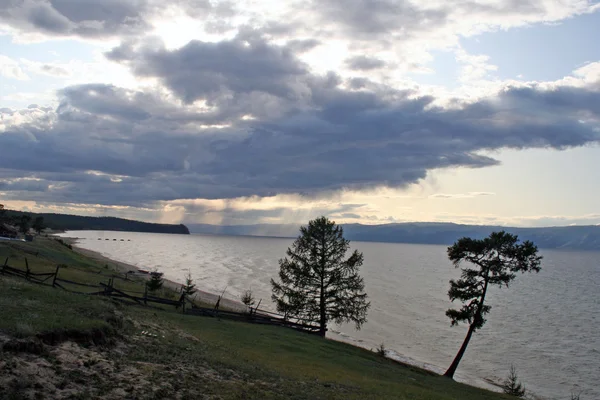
x: 87, y: 18
x: 469, y: 195
x: 96, y: 19
x: 10, y: 68
x: 393, y: 23
x: 212, y: 71
x: 316, y: 134
x: 50, y: 69
x: 364, y: 63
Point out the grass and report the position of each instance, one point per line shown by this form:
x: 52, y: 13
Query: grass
x: 29, y: 309
x: 44, y: 254
x: 184, y: 356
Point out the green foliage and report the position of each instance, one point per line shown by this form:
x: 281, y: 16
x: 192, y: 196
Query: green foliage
x: 23, y: 223
x: 29, y: 310
x: 317, y: 283
x: 496, y: 260
x: 511, y: 384
x: 189, y: 287
x: 38, y: 224
x: 155, y: 282
x: 248, y: 298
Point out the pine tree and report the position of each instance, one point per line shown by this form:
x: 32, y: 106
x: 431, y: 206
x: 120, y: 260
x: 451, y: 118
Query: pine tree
x: 497, y: 259
x: 511, y: 385
x: 156, y: 281
x: 248, y: 298
x: 317, y: 283
x: 189, y: 288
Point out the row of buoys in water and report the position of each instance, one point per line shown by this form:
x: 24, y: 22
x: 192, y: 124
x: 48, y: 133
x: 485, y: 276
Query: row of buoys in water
x: 114, y: 240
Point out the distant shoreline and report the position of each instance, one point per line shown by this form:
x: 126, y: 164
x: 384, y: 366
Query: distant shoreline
x: 570, y: 238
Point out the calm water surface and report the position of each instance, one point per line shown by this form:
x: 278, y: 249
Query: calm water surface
x: 546, y: 324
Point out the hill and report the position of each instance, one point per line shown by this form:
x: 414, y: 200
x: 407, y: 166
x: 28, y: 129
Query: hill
x: 64, y: 222
x: 61, y: 345
x: 562, y: 237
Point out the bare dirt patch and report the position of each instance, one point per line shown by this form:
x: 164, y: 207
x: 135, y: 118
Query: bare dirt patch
x: 70, y: 370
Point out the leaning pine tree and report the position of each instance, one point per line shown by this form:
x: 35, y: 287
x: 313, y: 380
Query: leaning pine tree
x: 496, y: 260
x: 318, y: 284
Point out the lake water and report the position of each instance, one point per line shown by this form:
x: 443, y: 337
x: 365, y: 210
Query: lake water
x: 546, y: 324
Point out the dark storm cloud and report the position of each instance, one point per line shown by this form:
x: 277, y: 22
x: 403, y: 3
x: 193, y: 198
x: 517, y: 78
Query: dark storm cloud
x: 330, y: 137
x: 308, y: 133
x: 212, y: 71
x: 231, y: 215
x: 364, y: 63
x: 23, y: 185
x: 104, y: 100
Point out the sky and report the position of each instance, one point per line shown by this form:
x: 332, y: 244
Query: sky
x: 260, y: 111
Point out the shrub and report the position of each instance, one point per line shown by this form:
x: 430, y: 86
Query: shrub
x: 381, y: 350
x: 156, y: 281
x: 248, y: 298
x: 511, y: 384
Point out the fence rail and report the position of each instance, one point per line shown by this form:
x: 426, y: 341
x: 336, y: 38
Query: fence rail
x: 254, y: 315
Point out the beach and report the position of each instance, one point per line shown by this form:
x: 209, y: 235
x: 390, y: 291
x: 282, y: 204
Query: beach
x: 136, y: 271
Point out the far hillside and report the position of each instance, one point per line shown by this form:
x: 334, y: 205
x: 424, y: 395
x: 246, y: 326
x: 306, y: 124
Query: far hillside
x: 66, y: 222
x: 557, y: 237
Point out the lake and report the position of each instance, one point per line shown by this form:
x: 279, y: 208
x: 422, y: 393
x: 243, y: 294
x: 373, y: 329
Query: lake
x: 546, y: 324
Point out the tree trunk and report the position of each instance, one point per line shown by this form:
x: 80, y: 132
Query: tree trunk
x: 452, y: 369
x: 323, y: 316
x: 322, y: 305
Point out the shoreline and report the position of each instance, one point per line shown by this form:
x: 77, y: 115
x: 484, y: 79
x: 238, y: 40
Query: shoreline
x: 211, y: 298
x: 124, y: 268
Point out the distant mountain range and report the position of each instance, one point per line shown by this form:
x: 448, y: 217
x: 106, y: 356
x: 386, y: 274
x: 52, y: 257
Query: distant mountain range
x: 564, y: 237
x: 66, y: 222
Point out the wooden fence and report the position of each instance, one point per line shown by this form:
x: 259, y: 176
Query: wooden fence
x: 103, y: 289
x: 254, y: 315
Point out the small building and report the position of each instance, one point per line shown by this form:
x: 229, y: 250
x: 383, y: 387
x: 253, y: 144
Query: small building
x: 8, y: 231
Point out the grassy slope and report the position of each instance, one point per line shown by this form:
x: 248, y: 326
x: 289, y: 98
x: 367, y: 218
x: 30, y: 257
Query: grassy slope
x: 44, y: 254
x: 189, y: 356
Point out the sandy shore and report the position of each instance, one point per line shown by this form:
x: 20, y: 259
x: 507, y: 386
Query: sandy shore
x: 126, y: 268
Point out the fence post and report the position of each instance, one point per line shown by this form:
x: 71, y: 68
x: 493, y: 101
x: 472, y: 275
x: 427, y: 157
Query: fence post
x: 27, y: 266
x: 6, y: 261
x: 182, y: 302
x: 146, y: 294
x: 55, y: 275
x: 256, y: 309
